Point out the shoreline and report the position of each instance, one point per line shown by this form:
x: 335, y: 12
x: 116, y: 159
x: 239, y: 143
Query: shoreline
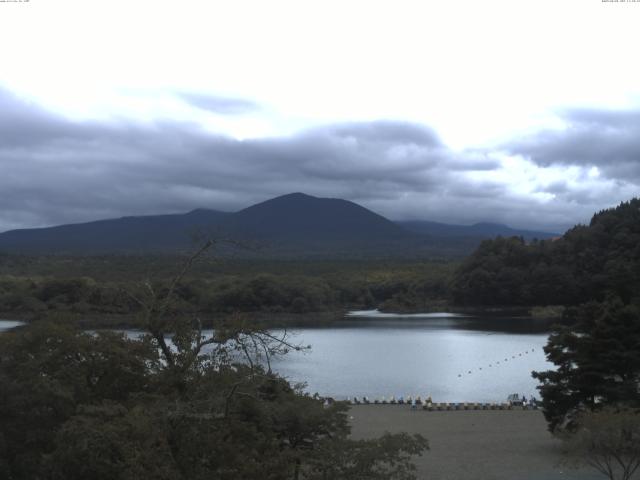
x: 266, y: 320
x: 528, y: 311
x: 276, y: 320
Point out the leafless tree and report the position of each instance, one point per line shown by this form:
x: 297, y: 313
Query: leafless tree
x: 182, y: 341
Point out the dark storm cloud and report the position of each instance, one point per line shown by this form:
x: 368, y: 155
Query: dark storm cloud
x: 58, y: 171
x: 607, y: 139
x: 23, y: 124
x: 220, y: 105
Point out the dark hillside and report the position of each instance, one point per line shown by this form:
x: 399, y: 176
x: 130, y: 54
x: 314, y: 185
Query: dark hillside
x: 290, y: 226
x: 479, y: 231
x: 300, y: 216
x: 587, y: 263
x: 125, y: 235
x: 294, y: 225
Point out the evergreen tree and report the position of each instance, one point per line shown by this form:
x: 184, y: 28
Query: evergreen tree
x: 588, y: 263
x: 597, y: 360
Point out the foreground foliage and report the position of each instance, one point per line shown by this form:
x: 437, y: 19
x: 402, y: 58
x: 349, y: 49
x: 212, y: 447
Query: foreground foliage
x: 75, y: 405
x: 172, y: 404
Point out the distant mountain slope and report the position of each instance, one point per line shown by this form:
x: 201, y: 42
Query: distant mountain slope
x: 156, y: 233
x: 299, y: 217
x: 290, y: 225
x: 480, y: 230
x: 294, y: 223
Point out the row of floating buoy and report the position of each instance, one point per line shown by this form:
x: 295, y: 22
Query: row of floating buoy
x: 409, y: 400
x: 479, y: 406
x: 491, y: 365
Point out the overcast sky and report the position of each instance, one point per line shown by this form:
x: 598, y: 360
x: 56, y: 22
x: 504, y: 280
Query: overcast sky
x: 520, y: 112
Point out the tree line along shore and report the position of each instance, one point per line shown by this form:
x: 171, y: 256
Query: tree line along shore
x: 505, y: 275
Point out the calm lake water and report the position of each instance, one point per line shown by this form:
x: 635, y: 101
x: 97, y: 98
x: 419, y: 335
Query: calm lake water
x: 452, y: 358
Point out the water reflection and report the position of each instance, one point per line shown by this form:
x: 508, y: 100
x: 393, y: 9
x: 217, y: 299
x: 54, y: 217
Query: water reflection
x: 484, y: 323
x: 450, y: 357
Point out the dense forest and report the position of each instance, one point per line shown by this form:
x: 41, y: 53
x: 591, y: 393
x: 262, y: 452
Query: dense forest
x: 589, y: 262
x: 101, y: 286
x: 594, y: 270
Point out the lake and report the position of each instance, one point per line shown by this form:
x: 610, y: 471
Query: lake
x: 453, y: 358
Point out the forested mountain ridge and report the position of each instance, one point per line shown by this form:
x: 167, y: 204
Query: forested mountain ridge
x: 587, y: 263
x: 293, y: 225
x: 478, y: 231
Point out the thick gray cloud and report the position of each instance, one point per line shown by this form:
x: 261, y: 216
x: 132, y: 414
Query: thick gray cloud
x: 607, y: 139
x: 58, y: 171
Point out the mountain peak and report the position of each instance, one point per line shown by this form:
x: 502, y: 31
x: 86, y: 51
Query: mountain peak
x: 298, y: 215
x: 290, y: 197
x: 294, y: 195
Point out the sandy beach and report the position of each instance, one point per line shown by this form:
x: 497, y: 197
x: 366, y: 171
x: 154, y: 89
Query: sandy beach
x: 474, y: 444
